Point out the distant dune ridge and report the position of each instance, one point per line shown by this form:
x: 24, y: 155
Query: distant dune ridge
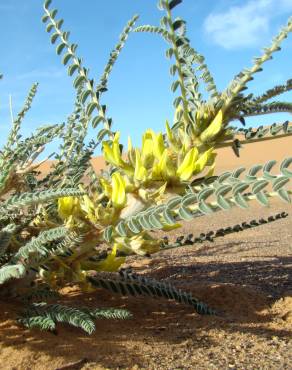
x: 250, y: 154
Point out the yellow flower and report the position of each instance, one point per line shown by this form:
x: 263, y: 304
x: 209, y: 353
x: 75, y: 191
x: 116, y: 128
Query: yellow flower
x: 87, y: 207
x: 172, y: 140
x: 213, y: 129
x: 152, y: 145
x: 140, y: 171
x: 164, y: 169
x: 112, y: 154
x: 139, y: 244
x: 68, y: 206
x: 186, y: 169
x: 106, y: 215
x: 158, y: 144
x: 202, y: 162
x: 130, y: 146
x: 118, y: 190
x: 107, y: 188
x: 169, y: 133
x: 147, y: 145
x: 112, y: 262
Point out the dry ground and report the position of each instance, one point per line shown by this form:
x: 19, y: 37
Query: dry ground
x: 247, y: 276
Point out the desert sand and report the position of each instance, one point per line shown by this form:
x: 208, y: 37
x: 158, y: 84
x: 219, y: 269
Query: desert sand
x: 250, y: 154
x: 245, y: 276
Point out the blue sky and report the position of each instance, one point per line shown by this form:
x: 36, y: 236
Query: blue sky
x: 229, y: 33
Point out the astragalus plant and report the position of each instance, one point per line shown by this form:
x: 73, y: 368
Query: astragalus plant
x: 76, y: 226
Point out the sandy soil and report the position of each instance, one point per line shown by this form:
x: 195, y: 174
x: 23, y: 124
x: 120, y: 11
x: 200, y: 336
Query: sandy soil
x: 246, y: 276
x: 276, y: 149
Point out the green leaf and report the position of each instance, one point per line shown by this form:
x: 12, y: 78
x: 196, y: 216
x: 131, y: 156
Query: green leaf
x: 174, y: 202
x: 223, y: 203
x: 155, y: 221
x: 185, y: 213
x: 222, y: 190
x: 53, y: 13
x: 177, y: 101
x: 101, y: 134
x: 90, y: 108
x: 85, y: 94
x: 144, y: 222
x: 239, y: 188
x: 96, y: 120
x: 261, y: 197
x: 267, y: 168
x: 189, y: 199
x: 66, y: 36
x: 74, y: 47
x: 161, y: 4
x: 224, y: 176
x: 284, y: 166
x: 49, y: 27
x: 134, y: 226
x: 177, y: 24
x: 168, y: 217
x: 238, y: 172
x: 108, y: 233
x: 259, y: 185
x: 179, y: 41
x: 121, y: 229
x: 254, y: 170
x: 240, y: 201
x: 72, y: 69
x: 174, y: 3
x: 47, y: 3
x: 60, y: 48
x: 54, y: 37
x: 284, y: 195
x: 45, y: 18
x: 164, y: 22
x: 169, y: 53
x: 174, y: 86
x: 78, y: 81
x: 280, y: 182
x: 59, y: 23
x: 11, y: 271
x: 204, y: 208
x: 205, y: 193
x: 173, y: 69
x: 66, y: 58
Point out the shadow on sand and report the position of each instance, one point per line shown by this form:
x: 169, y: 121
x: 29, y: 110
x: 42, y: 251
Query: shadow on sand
x: 243, y: 292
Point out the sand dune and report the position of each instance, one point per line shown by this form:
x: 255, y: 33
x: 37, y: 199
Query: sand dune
x: 256, y: 153
x: 251, y: 153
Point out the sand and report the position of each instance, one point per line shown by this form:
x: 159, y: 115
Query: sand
x: 245, y: 276
x: 250, y: 154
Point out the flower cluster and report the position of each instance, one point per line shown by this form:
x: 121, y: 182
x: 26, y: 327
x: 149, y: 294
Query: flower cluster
x: 163, y: 160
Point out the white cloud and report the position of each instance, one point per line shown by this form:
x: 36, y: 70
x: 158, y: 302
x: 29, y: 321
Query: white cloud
x: 244, y: 25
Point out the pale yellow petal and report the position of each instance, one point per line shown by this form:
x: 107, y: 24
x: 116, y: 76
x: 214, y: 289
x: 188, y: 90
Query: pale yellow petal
x: 213, y: 129
x: 118, y: 190
x: 140, y: 171
x: 186, y: 169
x: 203, y: 160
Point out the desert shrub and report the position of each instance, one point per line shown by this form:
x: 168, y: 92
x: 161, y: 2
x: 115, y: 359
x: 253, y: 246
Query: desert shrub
x: 60, y: 229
